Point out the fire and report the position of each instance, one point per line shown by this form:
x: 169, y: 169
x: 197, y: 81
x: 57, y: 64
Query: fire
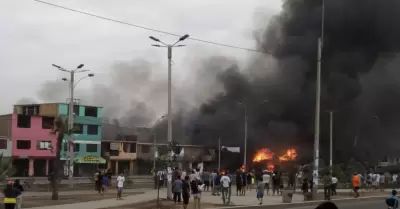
x: 242, y: 168
x: 270, y: 166
x: 290, y: 154
x: 263, y: 154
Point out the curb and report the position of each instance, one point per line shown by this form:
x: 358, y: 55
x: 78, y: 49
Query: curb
x: 301, y: 204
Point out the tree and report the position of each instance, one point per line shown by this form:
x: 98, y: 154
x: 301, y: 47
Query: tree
x: 59, y: 130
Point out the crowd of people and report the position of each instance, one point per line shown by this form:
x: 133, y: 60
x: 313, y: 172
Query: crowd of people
x: 102, y: 181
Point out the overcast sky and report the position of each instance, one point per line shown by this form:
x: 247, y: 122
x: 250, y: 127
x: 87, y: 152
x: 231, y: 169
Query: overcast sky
x: 35, y: 35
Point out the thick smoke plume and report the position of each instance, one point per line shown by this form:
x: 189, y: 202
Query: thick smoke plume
x: 360, y: 83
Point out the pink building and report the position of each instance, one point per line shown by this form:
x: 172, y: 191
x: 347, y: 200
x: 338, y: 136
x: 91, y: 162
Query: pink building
x: 33, y: 143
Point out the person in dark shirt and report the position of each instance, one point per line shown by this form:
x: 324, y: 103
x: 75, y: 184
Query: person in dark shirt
x: 10, y: 196
x: 186, y: 192
x: 239, y: 183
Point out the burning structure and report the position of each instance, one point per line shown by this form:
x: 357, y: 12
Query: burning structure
x: 267, y: 159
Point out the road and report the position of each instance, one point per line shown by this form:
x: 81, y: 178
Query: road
x: 362, y: 204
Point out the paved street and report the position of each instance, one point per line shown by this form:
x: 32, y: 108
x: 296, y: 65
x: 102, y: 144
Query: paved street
x: 77, y: 192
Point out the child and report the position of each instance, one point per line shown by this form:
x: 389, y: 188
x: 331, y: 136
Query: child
x: 260, y: 191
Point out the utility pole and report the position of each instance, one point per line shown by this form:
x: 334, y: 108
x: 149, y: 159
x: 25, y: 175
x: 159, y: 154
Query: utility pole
x: 331, y: 141
x: 154, y: 152
x: 169, y: 135
x: 245, y: 139
x: 219, y: 154
x: 318, y: 108
x: 70, y: 144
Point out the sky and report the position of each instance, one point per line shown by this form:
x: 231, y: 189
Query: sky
x: 36, y: 35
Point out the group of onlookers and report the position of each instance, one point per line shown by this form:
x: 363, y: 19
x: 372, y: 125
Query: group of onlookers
x: 13, y: 195
x: 102, y: 181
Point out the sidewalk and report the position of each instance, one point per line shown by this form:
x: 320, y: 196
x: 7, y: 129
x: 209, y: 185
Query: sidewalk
x: 248, y: 200
x: 77, y: 192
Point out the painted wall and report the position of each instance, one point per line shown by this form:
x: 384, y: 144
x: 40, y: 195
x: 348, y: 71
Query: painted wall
x: 34, y: 134
x: 7, y: 152
x: 84, y: 138
x: 124, y: 155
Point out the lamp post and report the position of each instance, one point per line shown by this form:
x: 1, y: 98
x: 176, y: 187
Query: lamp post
x: 245, y: 134
x: 169, y: 56
x: 72, y: 85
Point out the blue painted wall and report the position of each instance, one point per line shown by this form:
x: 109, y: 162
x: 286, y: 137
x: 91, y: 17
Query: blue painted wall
x: 81, y: 138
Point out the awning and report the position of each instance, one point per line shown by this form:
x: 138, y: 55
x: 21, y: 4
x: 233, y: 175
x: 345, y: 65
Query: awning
x: 90, y: 159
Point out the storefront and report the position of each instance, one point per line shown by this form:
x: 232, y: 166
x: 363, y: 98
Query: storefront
x: 87, y: 165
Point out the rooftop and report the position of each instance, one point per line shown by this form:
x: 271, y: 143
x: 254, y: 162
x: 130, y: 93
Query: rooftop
x: 32, y: 104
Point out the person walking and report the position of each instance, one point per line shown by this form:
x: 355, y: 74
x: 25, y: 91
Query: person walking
x: 177, y: 189
x: 334, y: 185
x: 104, y: 184
x: 206, y: 176
x: 266, y: 178
x: 327, y: 180
x: 196, y: 192
x: 225, y: 183
x: 260, y: 192
x: 356, y: 185
x: 217, y: 184
x: 238, y: 183
x: 120, y: 185
x: 249, y: 181
x: 10, y: 196
x: 109, y: 175
x: 186, y: 192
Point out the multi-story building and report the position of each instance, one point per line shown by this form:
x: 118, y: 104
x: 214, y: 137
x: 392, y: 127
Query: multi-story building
x: 119, y: 148
x: 5, y: 137
x: 33, y: 146
x: 32, y: 140
x: 86, y: 138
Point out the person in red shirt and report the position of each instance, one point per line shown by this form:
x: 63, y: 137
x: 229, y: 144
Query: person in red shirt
x: 356, y: 184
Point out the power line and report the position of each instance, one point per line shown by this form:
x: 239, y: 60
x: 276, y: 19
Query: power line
x: 148, y: 28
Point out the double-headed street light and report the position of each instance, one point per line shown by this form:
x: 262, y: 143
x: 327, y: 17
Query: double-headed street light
x: 72, y: 85
x: 169, y: 115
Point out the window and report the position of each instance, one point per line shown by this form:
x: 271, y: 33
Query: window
x: 3, y: 144
x: 130, y: 137
x: 91, y: 111
x: 129, y: 147
x: 76, y: 110
x: 91, y: 148
x: 65, y: 147
x: 47, y: 122
x: 23, y: 144
x: 145, y: 148
x: 78, y: 129
x: 43, y: 145
x: 92, y: 129
x: 76, y: 147
x: 23, y: 121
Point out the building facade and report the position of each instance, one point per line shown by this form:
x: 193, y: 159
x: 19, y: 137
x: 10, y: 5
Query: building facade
x: 5, y: 137
x: 86, y: 139
x: 32, y: 140
x: 119, y: 148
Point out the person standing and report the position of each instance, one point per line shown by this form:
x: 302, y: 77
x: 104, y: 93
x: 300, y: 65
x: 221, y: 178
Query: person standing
x: 196, y: 192
x: 104, y: 184
x: 217, y: 184
x: 244, y: 183
x: 394, y: 180
x: 356, y: 185
x: 249, y: 181
x: 206, y: 175
x: 327, y: 180
x: 266, y: 178
x: 120, y: 185
x: 225, y: 181
x: 18, y: 186
x: 238, y: 183
x: 109, y: 175
x: 213, y: 175
x: 334, y: 185
x: 10, y: 196
x: 186, y: 192
x: 177, y: 189
x: 260, y: 192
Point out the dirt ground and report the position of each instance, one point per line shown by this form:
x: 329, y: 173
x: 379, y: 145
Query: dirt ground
x: 30, y: 202
x: 164, y: 204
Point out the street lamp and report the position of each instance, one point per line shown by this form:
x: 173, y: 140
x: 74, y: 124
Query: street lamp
x: 72, y: 85
x: 169, y: 56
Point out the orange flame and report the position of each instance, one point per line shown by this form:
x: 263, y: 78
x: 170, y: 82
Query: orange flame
x: 263, y: 154
x: 270, y: 166
x: 290, y: 154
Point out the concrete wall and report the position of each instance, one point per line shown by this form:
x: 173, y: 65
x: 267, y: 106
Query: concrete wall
x: 33, y: 134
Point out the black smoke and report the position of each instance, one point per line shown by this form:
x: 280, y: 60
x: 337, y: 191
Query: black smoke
x: 360, y: 81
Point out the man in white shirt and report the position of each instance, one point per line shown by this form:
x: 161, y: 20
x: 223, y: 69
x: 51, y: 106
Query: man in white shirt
x: 225, y: 182
x: 394, y: 181
x: 266, y: 180
x: 120, y: 185
x: 334, y: 185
